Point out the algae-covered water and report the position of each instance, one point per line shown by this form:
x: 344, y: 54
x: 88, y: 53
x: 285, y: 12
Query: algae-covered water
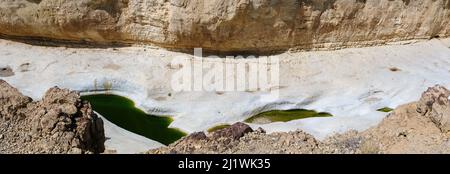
x: 285, y: 116
x: 218, y: 127
x: 385, y: 109
x: 122, y: 112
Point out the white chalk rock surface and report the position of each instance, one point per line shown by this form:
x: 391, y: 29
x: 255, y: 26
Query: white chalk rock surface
x: 125, y: 142
x: 351, y: 83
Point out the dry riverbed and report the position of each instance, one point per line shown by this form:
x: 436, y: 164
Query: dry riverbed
x: 324, y: 81
x: 419, y: 127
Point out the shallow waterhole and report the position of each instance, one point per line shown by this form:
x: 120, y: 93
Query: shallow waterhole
x: 385, y: 109
x: 285, y: 116
x: 122, y: 112
x: 218, y: 127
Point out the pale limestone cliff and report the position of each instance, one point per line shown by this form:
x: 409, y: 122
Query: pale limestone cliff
x: 228, y: 25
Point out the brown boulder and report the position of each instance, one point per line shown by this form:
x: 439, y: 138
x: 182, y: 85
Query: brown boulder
x: 235, y: 131
x: 197, y: 136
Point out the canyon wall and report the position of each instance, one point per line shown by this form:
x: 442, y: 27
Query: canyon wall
x: 228, y: 25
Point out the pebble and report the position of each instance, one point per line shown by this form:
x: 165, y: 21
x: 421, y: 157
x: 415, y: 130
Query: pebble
x: 27, y: 138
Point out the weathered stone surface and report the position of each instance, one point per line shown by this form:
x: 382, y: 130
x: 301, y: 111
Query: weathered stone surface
x: 60, y: 123
x: 10, y: 101
x: 197, y: 136
x: 234, y: 25
x: 435, y: 104
x: 235, y: 131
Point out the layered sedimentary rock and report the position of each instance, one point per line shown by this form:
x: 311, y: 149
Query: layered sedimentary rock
x: 232, y: 25
x: 59, y: 123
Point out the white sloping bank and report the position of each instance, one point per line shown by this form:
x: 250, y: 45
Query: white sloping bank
x: 351, y: 84
x: 124, y: 141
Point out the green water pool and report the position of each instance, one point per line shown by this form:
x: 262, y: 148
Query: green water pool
x: 218, y: 127
x: 285, y: 116
x: 385, y: 109
x: 122, y: 112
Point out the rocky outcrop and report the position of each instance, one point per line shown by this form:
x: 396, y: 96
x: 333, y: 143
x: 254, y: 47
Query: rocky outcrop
x: 435, y: 104
x: 59, y: 123
x: 219, y: 141
x: 11, y: 101
x: 419, y: 127
x: 235, y: 25
x: 252, y: 142
x: 235, y: 131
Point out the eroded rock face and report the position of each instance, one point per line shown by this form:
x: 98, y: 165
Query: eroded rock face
x: 60, y: 123
x: 234, y: 25
x: 435, y: 105
x: 251, y: 142
x: 11, y: 100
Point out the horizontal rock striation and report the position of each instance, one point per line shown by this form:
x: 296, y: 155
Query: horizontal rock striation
x: 228, y: 26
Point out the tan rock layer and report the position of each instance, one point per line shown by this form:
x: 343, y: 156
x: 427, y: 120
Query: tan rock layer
x: 232, y: 25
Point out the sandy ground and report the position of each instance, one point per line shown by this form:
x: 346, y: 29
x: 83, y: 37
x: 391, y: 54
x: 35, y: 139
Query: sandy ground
x: 351, y: 84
